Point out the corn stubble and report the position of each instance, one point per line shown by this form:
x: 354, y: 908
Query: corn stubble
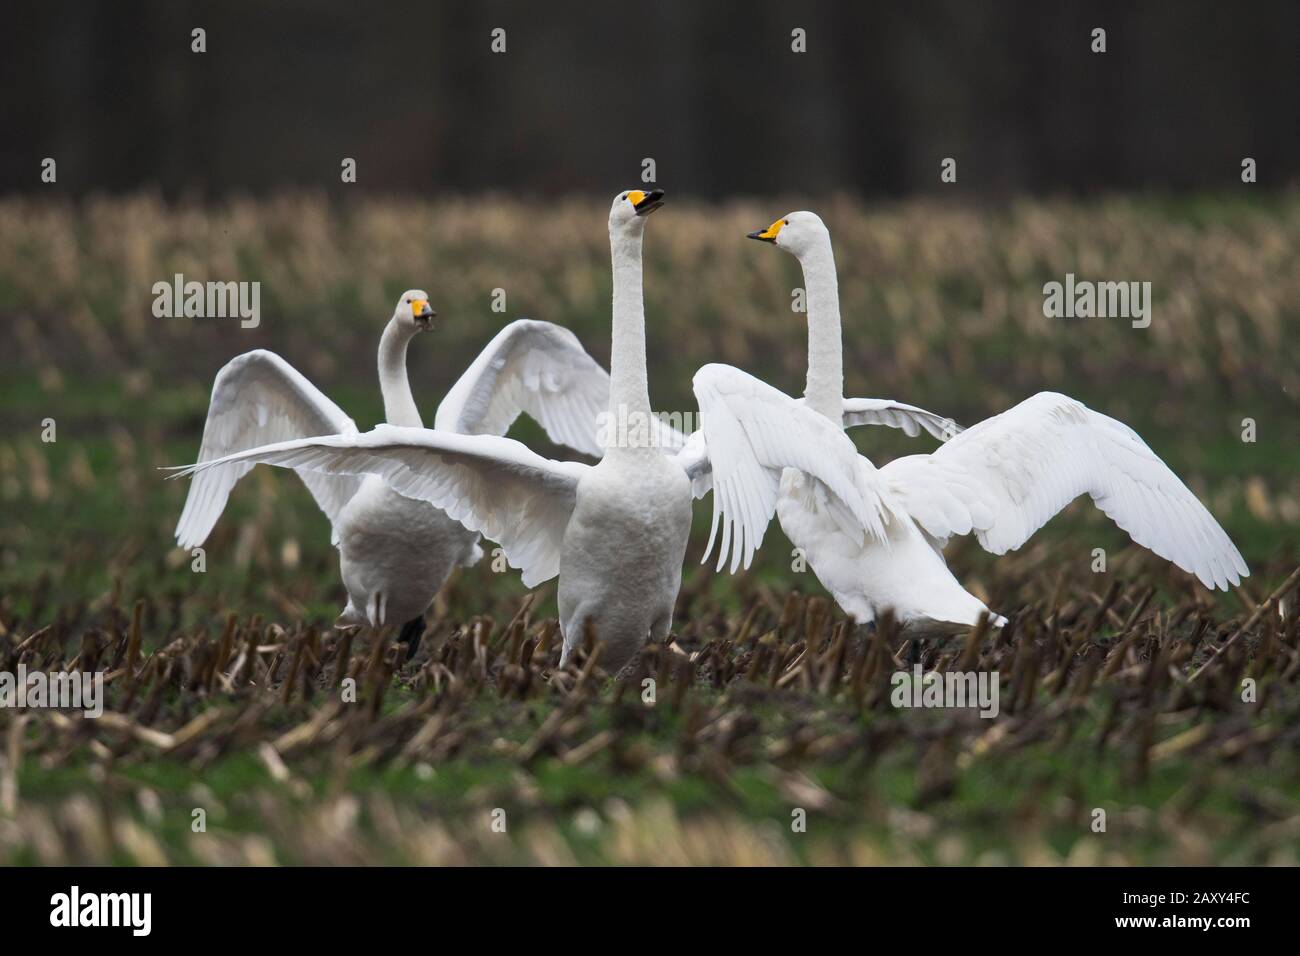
x: 787, y: 697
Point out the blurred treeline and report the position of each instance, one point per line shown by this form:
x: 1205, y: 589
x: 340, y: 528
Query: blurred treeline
x: 586, y: 91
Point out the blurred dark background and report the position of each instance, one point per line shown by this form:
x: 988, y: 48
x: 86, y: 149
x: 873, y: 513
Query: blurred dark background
x: 585, y: 91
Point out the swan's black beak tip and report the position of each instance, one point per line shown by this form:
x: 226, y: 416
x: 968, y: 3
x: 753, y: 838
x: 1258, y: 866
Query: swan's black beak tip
x: 759, y: 235
x: 650, y: 202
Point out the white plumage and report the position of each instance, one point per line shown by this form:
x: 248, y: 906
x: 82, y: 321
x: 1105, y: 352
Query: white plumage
x: 1006, y: 477
x: 614, y: 532
x: 1001, y: 480
x: 395, y: 551
x: 753, y: 433
x: 533, y: 368
x: 259, y: 398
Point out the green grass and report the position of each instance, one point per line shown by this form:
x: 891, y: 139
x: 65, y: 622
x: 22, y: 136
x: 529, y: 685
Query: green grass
x: 1032, y: 802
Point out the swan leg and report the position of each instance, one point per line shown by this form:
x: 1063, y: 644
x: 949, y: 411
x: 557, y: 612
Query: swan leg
x: 350, y: 617
x: 574, y: 634
x: 377, y: 610
x: 660, y: 628
x: 412, y: 631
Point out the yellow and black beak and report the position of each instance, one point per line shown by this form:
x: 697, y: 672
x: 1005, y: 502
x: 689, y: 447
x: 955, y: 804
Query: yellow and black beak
x: 645, y: 203
x: 423, y: 314
x: 769, y: 234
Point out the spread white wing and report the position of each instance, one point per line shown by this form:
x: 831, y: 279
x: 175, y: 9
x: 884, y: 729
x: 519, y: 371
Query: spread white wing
x: 1006, y: 477
x: 753, y: 432
x: 540, y: 369
x: 694, y: 457
x: 492, y: 485
x: 259, y: 398
x: 886, y: 411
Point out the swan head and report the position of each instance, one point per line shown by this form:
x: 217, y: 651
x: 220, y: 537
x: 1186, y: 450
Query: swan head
x: 414, y: 312
x: 631, y: 206
x: 796, y: 233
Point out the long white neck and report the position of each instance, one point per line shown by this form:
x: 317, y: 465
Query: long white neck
x: 399, y: 406
x: 825, y: 391
x: 629, y: 393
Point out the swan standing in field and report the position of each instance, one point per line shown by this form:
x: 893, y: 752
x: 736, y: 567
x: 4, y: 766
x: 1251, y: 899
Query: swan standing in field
x: 615, y: 532
x: 1002, y: 480
x: 395, y: 552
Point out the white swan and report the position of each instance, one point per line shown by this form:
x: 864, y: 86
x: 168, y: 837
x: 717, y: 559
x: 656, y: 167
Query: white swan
x: 395, y: 553
x: 615, y: 532
x: 1002, y: 480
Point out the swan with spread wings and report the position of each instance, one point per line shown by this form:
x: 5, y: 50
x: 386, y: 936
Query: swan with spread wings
x: 1000, y: 480
x: 395, y: 552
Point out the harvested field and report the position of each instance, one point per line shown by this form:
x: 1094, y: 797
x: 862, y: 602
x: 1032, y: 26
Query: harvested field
x: 1129, y: 690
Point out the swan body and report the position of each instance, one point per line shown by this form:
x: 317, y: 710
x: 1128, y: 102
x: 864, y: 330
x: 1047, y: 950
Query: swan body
x: 621, y: 566
x: 395, y: 552
x: 905, y: 573
x: 1001, y: 480
x: 615, y: 533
